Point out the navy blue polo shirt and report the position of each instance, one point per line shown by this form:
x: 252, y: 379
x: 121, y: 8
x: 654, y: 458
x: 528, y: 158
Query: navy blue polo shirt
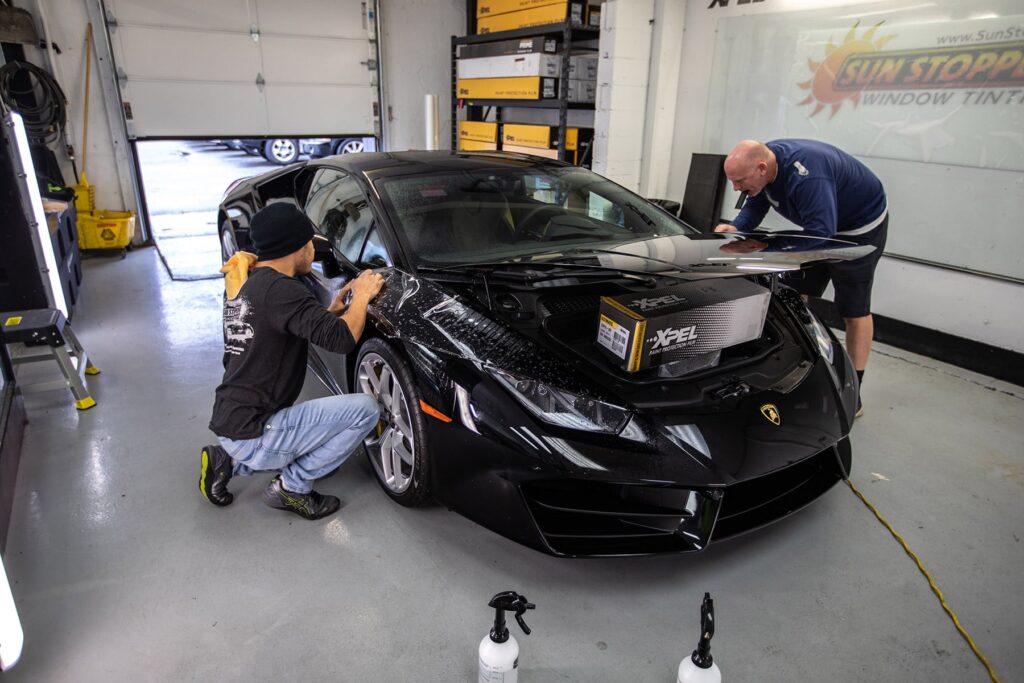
x: 819, y: 187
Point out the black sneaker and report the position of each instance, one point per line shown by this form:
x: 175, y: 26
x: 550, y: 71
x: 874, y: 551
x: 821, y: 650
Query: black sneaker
x: 860, y: 409
x: 310, y: 505
x: 214, y: 474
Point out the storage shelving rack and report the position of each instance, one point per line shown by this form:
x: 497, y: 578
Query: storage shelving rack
x: 570, y: 34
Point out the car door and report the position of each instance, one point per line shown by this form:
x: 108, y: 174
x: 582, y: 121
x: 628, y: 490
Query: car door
x: 347, y: 240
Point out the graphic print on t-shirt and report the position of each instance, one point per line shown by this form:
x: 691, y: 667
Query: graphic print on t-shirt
x: 237, y: 330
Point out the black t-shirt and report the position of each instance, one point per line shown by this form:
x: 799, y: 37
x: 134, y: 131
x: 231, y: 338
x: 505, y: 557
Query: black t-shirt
x: 267, y: 330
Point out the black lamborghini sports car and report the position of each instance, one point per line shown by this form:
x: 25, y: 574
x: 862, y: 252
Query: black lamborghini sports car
x: 562, y: 361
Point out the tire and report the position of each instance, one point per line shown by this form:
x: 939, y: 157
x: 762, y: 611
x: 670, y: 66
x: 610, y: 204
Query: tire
x: 281, y: 151
x: 351, y: 146
x: 228, y: 241
x: 382, y: 372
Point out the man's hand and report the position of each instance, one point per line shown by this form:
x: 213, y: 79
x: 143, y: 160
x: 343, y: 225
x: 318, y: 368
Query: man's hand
x: 744, y: 246
x: 725, y: 227
x: 338, y: 304
x: 366, y: 286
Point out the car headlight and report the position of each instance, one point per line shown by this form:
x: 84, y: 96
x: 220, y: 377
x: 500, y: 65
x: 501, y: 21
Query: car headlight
x: 820, y: 334
x: 564, y: 408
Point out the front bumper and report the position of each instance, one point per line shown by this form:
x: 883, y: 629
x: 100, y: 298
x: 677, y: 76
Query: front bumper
x: 578, y: 494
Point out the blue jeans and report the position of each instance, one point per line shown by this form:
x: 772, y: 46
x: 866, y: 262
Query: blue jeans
x: 307, y: 440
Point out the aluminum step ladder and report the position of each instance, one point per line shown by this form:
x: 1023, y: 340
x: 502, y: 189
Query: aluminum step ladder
x: 45, y: 334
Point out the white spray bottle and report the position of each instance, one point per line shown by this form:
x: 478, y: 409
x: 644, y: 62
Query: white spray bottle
x: 499, y: 651
x: 700, y: 667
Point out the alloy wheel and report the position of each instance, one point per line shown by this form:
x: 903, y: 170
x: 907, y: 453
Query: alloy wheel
x: 228, y: 244
x: 392, y: 443
x: 351, y: 147
x: 283, y: 151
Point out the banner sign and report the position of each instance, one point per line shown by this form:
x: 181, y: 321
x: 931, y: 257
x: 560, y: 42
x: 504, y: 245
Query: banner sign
x: 944, y: 92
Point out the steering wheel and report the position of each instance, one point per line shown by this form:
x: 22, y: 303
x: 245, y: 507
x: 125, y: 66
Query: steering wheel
x: 532, y: 227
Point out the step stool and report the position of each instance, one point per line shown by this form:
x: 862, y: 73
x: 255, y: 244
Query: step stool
x: 46, y: 334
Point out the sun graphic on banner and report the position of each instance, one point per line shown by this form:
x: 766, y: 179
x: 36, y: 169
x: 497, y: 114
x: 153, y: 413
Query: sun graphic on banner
x: 822, y: 84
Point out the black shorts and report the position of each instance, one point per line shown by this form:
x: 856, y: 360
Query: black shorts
x: 852, y: 279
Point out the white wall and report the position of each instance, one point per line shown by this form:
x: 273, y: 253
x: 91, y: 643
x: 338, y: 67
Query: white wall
x: 979, y: 308
x: 416, y: 60
x: 67, y: 20
x: 623, y: 70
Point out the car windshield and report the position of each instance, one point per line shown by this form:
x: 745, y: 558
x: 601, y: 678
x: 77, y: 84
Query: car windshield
x: 500, y: 214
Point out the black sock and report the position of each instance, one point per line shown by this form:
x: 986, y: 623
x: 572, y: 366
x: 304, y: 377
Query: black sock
x: 860, y: 376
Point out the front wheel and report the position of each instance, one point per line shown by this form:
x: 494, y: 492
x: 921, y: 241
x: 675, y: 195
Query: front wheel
x: 228, y: 241
x: 397, y: 446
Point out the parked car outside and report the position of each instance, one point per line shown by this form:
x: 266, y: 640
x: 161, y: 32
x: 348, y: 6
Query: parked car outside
x: 318, y: 148
x: 487, y: 351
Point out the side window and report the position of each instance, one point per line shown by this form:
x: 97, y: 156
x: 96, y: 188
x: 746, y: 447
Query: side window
x: 339, y: 211
x: 375, y: 254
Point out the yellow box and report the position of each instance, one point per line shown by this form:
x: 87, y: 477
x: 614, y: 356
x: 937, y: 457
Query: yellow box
x: 538, y: 16
x: 486, y: 8
x: 478, y: 131
x: 516, y: 88
x: 541, y: 137
x: 477, y: 146
x: 105, y: 229
x: 534, y: 151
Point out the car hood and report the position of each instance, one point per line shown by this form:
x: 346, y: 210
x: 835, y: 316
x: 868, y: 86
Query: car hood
x: 426, y: 313
x: 716, y: 254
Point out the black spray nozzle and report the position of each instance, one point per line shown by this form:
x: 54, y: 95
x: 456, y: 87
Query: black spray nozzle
x: 512, y: 602
x: 702, y: 655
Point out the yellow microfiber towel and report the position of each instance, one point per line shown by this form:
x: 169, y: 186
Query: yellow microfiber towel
x: 236, y: 272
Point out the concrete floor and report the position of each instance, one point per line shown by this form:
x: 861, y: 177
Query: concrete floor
x: 121, y: 571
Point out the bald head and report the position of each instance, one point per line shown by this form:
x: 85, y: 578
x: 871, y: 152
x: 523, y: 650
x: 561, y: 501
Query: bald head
x: 750, y: 166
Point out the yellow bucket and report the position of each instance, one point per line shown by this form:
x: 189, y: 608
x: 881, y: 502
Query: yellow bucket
x: 105, y: 229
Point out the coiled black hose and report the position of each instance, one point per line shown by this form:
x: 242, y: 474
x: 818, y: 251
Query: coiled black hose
x: 46, y: 118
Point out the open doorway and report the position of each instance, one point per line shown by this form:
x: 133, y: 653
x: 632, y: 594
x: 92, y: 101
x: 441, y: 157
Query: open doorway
x: 185, y: 180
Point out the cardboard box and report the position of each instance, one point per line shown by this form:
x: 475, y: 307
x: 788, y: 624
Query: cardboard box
x: 477, y: 146
x: 583, y: 66
x: 506, y: 66
x: 573, y: 12
x: 478, y: 131
x: 519, y: 88
x: 519, y: 46
x: 571, y: 156
x: 534, y: 151
x: 485, y: 8
x: 650, y: 328
x: 582, y: 91
x: 537, y: 137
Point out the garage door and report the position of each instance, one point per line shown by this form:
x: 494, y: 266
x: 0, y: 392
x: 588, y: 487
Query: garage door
x: 245, y: 68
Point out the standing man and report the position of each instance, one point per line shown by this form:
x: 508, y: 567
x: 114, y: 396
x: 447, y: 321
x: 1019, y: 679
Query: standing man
x: 828, y: 193
x: 268, y: 326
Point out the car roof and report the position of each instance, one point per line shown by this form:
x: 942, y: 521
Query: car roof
x: 383, y: 164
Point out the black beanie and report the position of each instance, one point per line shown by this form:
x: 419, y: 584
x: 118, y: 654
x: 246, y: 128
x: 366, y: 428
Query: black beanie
x: 279, y: 229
